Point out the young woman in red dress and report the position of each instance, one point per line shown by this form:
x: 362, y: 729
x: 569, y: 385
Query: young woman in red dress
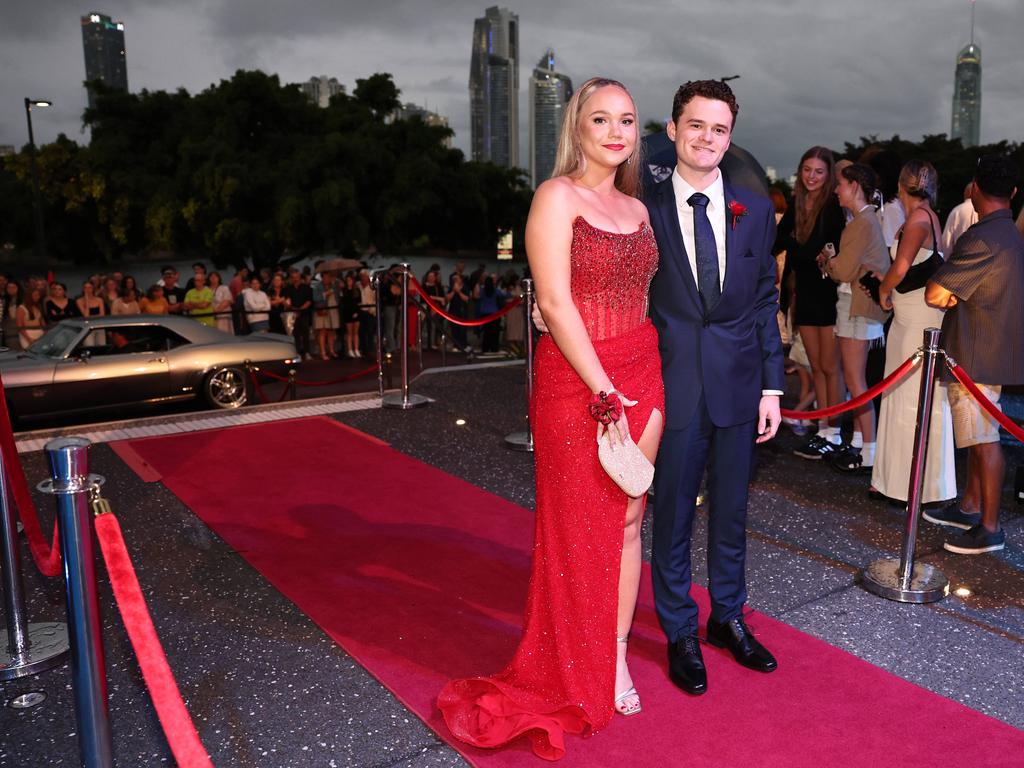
x: 592, y: 255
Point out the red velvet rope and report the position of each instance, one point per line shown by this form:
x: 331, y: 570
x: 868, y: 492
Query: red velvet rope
x: 181, y: 734
x: 46, y: 558
x: 856, y: 402
x: 1007, y: 423
x: 461, y: 320
x: 256, y: 386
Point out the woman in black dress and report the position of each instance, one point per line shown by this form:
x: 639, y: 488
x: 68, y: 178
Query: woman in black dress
x: 814, y: 222
x: 277, y: 298
x: 58, y: 306
x: 350, y: 299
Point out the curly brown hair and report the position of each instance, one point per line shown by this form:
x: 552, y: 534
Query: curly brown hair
x: 709, y: 89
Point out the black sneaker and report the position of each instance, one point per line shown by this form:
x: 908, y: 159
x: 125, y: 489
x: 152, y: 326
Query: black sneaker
x: 848, y: 459
x: 951, y: 515
x: 975, y: 541
x: 816, y: 448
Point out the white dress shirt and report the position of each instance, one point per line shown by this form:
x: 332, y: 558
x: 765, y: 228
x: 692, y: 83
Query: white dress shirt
x: 961, y: 218
x: 716, y: 214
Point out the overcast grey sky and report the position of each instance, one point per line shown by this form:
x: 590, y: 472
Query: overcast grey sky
x: 813, y: 71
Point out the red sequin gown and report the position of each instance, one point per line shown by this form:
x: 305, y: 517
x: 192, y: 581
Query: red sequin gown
x: 562, y: 676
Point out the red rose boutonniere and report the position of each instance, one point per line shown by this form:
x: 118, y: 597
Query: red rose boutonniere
x: 737, y: 209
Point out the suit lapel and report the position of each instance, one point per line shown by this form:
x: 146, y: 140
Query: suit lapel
x: 731, y: 236
x: 668, y: 211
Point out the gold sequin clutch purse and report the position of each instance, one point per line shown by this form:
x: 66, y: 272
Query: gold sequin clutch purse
x: 625, y: 464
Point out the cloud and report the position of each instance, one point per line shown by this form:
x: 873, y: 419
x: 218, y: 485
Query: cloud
x: 811, y: 72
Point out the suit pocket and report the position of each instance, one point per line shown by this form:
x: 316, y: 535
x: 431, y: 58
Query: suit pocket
x: 749, y: 254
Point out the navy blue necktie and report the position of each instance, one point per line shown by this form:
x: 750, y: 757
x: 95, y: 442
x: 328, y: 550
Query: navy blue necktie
x: 705, y: 251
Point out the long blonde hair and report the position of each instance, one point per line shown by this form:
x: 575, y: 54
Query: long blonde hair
x: 805, y: 220
x: 569, y: 160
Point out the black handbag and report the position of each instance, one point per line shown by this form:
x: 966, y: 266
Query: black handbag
x: 919, y: 274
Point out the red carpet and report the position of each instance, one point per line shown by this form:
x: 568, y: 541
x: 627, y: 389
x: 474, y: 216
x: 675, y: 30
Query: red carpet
x: 421, y: 577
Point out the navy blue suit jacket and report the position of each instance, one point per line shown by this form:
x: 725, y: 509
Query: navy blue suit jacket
x: 733, y: 351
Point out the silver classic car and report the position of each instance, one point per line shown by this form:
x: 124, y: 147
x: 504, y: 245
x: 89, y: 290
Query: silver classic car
x: 103, y: 362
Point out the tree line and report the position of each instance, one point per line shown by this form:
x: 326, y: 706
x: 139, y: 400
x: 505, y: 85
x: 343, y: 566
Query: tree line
x: 249, y: 170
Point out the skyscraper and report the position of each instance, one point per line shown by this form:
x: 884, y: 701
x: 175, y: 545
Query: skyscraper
x: 320, y: 89
x: 549, y: 93
x: 494, y: 88
x: 103, y: 41
x: 967, y: 93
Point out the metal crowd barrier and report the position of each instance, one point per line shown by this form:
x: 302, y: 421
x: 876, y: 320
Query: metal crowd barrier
x: 403, y: 400
x: 900, y: 578
x: 72, y: 484
x: 31, y: 648
x: 523, y: 441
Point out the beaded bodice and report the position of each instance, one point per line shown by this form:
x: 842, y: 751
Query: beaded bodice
x: 611, y: 273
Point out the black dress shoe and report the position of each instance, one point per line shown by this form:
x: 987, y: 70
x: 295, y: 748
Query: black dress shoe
x: 735, y: 636
x: 686, y: 665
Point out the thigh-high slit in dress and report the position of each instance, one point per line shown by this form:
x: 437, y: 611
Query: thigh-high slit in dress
x: 561, y: 678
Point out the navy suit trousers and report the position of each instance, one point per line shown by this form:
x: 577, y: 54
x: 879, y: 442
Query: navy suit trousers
x: 727, y: 452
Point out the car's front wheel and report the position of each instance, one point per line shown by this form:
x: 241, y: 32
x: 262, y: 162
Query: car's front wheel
x: 225, y: 388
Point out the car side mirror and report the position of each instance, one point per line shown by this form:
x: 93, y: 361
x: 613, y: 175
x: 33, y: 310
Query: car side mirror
x: 84, y: 355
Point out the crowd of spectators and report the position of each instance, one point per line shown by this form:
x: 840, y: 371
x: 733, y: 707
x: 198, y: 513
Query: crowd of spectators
x: 467, y: 297
x: 330, y: 314
x: 862, y: 254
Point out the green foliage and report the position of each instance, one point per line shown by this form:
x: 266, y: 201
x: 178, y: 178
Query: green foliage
x: 249, y: 170
x: 954, y: 163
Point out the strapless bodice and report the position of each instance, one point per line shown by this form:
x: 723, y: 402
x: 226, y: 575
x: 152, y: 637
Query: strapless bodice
x: 611, y: 274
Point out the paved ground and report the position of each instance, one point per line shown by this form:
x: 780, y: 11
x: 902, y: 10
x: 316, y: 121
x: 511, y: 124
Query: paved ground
x: 268, y: 688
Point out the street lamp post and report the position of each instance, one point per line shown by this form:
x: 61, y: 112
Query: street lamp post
x: 37, y: 202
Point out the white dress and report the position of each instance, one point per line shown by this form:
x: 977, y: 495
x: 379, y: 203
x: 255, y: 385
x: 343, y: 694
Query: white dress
x: 223, y: 321
x: 898, y: 415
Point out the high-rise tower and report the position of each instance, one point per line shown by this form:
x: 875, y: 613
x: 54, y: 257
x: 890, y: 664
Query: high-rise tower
x: 494, y: 88
x: 549, y: 93
x: 319, y: 90
x: 103, y: 41
x: 967, y: 92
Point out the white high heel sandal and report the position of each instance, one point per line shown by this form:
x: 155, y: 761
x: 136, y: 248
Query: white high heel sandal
x: 619, y: 703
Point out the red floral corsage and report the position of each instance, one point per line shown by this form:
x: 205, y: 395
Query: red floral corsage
x: 737, y: 209
x: 605, y: 407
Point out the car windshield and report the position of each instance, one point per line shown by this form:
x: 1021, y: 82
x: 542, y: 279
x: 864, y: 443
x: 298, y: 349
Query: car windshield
x: 55, y: 342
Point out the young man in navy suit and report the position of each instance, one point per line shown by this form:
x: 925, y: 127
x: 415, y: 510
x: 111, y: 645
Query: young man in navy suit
x: 714, y: 304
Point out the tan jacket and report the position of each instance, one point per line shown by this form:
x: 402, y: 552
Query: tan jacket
x: 861, y: 250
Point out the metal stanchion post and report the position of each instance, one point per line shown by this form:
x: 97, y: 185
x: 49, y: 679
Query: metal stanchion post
x: 292, y: 389
x: 31, y: 648
x: 420, y: 319
x: 523, y: 441
x: 71, y: 483
x: 404, y: 401
x: 902, y: 579
x: 444, y: 344
x: 379, y: 300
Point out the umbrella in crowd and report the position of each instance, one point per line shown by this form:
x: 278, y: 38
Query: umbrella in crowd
x: 339, y: 265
